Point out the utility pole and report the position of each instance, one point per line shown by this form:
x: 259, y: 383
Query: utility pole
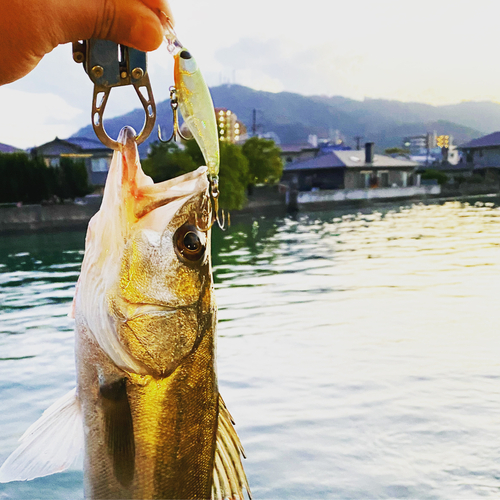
x: 255, y: 125
x: 358, y: 140
x: 428, y: 147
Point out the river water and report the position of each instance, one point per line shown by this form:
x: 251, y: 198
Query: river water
x: 359, y: 351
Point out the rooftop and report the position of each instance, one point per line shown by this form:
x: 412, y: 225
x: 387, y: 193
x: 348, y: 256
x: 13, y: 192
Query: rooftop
x: 86, y: 143
x: 297, y: 148
x: 74, y: 144
x: 486, y: 141
x: 338, y: 159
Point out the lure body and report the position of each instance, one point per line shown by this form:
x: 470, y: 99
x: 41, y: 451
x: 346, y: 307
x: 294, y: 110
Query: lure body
x: 197, y: 108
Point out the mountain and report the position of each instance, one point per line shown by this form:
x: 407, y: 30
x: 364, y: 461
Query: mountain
x: 293, y: 117
x: 5, y: 148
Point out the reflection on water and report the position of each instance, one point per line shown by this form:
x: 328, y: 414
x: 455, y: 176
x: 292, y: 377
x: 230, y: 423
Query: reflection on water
x: 358, y: 351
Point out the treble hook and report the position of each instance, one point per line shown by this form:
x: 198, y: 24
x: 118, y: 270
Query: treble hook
x: 174, y: 104
x: 214, y: 196
x: 210, y: 209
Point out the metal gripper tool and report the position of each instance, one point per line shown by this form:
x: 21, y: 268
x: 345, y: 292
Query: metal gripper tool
x: 109, y: 65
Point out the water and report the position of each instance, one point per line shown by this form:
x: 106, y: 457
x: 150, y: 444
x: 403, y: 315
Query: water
x: 359, y: 352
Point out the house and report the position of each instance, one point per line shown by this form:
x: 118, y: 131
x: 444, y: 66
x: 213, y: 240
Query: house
x: 300, y: 152
x: 482, y: 156
x: 297, y: 152
x: 483, y: 152
x: 351, y: 170
x: 96, y: 156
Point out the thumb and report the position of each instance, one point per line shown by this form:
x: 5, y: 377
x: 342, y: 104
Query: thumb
x: 136, y: 23
x: 31, y: 30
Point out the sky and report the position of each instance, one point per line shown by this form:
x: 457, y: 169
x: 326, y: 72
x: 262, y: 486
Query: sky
x: 431, y: 51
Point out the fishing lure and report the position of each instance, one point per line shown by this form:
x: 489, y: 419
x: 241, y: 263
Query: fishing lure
x: 195, y: 102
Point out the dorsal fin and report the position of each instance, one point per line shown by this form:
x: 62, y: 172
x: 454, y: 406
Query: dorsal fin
x: 49, y: 445
x: 229, y: 476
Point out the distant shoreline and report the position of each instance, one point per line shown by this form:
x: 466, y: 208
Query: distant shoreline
x: 35, y: 218
x: 73, y: 216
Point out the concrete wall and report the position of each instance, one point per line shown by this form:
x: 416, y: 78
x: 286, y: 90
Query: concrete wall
x: 51, y: 217
x: 74, y: 216
x: 354, y: 179
x: 367, y: 194
x: 315, y: 178
x: 263, y: 197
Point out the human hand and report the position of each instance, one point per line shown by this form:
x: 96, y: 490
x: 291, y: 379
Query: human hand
x: 32, y: 29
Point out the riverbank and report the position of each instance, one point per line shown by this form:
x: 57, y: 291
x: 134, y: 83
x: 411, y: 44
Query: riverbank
x: 265, y: 200
x: 16, y: 218
x: 70, y: 215
x: 324, y: 199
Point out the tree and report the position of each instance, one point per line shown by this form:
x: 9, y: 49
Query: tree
x: 71, y: 178
x: 30, y: 180
x: 264, y: 161
x: 233, y: 177
x: 431, y: 173
x: 194, y: 151
x: 166, y: 161
x: 24, y: 179
x: 397, y: 151
x: 233, y: 173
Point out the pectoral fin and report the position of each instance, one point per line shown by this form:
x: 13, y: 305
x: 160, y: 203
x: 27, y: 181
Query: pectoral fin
x: 229, y: 476
x: 49, y: 445
x: 119, y: 429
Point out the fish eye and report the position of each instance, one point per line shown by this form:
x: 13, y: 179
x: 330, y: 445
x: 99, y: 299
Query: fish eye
x: 189, y: 243
x: 185, y: 54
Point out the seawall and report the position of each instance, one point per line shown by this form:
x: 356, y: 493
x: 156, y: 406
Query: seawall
x: 15, y: 218
x: 265, y: 200
x: 309, y: 199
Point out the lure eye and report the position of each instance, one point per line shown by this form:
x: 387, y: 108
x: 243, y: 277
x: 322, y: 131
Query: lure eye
x: 187, y: 63
x: 189, y: 243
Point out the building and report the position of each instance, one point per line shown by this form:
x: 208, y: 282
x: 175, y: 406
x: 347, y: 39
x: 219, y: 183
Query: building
x: 432, y: 149
x: 297, y: 152
x: 313, y: 148
x: 483, y: 152
x: 351, y: 170
x: 419, y: 144
x: 230, y: 128
x: 482, y: 156
x: 96, y: 156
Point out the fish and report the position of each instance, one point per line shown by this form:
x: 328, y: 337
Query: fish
x: 195, y: 101
x: 146, y: 409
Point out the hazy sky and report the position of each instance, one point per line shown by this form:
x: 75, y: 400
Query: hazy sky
x: 432, y: 51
